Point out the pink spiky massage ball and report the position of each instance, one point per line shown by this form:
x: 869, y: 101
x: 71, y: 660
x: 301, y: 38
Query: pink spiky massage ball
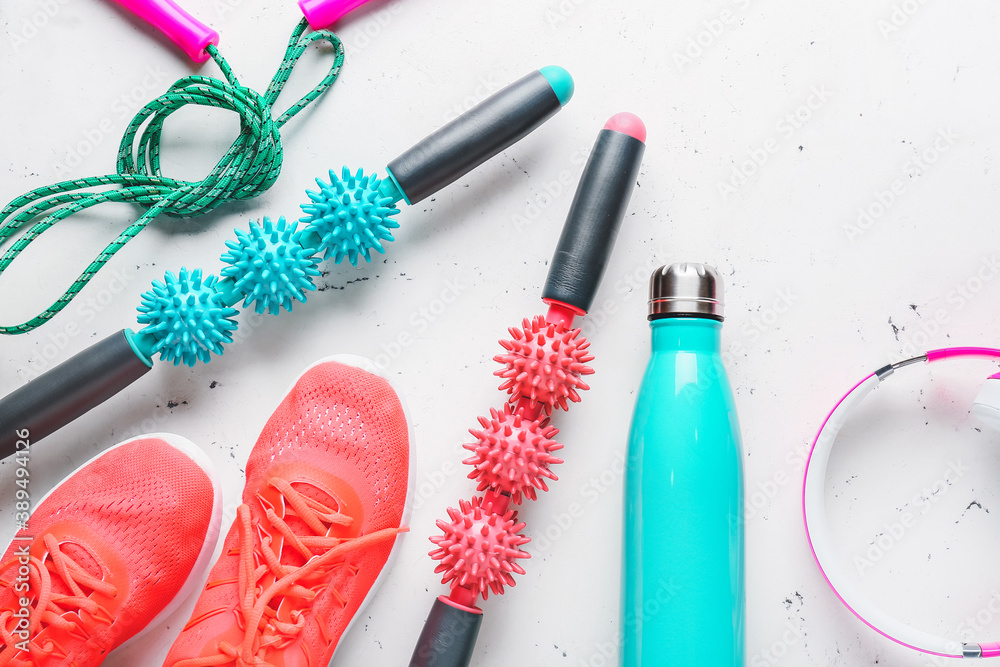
x: 545, y: 363
x: 479, y: 548
x: 513, y: 454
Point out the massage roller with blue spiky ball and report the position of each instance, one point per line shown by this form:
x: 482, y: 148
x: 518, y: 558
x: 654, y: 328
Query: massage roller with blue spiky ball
x: 190, y: 315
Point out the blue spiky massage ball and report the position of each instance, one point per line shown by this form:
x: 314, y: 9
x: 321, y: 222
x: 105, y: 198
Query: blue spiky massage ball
x: 269, y: 266
x: 187, y: 317
x: 350, y: 216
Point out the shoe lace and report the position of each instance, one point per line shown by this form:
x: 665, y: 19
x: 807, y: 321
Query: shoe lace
x: 293, y: 586
x: 62, y: 612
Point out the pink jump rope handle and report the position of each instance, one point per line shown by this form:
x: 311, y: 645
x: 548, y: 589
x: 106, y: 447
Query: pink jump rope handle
x: 184, y: 30
x: 324, y: 13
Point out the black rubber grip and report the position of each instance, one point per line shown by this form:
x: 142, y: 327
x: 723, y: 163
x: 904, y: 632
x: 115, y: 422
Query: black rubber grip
x: 594, y: 218
x: 62, y: 394
x: 474, y: 137
x: 448, y: 638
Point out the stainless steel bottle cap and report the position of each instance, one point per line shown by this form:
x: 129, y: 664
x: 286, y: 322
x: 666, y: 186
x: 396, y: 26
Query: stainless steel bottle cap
x: 685, y: 289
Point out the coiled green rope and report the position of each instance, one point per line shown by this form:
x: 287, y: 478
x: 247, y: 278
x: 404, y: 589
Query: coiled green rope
x: 248, y: 168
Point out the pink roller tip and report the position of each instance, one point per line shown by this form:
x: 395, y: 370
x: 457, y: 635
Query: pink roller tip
x: 627, y: 123
x: 324, y: 13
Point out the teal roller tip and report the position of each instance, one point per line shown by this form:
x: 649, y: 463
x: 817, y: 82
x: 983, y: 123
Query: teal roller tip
x: 187, y: 317
x: 561, y: 82
x: 350, y: 216
x: 269, y: 267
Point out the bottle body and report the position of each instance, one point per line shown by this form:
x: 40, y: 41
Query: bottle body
x: 683, y: 587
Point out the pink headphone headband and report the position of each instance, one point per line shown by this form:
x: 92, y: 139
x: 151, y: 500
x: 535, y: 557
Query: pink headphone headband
x: 817, y: 527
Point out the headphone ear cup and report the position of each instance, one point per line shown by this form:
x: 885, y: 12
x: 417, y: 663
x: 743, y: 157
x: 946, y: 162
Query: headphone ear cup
x: 986, y: 407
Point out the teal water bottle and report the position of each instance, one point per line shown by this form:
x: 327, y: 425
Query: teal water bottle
x: 683, y: 595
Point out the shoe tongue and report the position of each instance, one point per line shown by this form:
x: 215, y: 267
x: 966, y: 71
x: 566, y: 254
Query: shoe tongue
x: 313, y: 492
x: 290, y: 555
x: 82, y: 557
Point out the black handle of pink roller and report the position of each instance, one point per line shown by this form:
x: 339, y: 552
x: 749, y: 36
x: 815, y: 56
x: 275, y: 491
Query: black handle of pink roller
x: 448, y: 638
x: 477, y: 135
x: 62, y: 394
x: 596, y: 213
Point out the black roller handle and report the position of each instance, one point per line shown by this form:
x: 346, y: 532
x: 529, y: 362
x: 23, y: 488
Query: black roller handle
x: 62, y: 394
x: 477, y: 135
x: 448, y: 638
x: 596, y: 213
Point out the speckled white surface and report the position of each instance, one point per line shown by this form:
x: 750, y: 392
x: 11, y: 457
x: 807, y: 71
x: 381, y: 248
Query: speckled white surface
x: 771, y: 124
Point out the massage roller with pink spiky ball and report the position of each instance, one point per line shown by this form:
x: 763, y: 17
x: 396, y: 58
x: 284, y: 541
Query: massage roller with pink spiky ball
x: 543, y: 366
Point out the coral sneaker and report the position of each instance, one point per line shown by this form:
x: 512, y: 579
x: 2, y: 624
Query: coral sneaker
x: 326, y: 497
x: 111, y: 551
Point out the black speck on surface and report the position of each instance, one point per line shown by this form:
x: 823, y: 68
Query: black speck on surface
x: 974, y: 503
x: 213, y: 385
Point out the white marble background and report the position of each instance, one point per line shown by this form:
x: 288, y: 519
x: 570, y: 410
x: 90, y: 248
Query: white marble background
x: 834, y: 160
